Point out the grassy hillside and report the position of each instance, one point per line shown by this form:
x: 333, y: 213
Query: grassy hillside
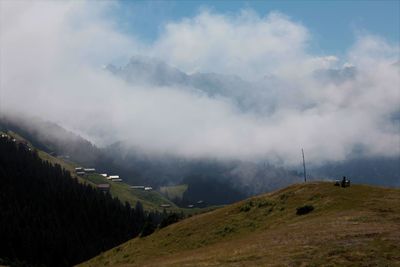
x: 151, y: 200
x: 355, y: 226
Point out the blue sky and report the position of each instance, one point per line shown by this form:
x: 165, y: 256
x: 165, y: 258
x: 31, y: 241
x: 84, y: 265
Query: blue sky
x: 333, y: 24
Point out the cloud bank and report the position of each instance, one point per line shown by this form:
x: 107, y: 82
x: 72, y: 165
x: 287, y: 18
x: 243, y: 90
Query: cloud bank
x: 50, y: 66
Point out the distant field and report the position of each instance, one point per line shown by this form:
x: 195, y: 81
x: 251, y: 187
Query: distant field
x: 151, y: 200
x: 354, y: 226
x: 174, y: 192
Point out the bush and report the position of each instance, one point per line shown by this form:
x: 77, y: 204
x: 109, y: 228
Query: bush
x: 245, y: 208
x: 225, y: 231
x: 304, y: 209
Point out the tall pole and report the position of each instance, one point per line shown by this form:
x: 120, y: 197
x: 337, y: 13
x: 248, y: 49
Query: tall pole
x: 304, y: 166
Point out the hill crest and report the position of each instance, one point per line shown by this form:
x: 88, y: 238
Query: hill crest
x: 355, y: 225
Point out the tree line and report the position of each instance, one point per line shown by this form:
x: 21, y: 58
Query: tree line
x: 48, y: 218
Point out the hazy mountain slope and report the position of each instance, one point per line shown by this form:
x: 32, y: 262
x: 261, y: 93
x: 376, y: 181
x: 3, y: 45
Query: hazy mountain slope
x: 151, y: 200
x: 383, y: 171
x: 149, y: 71
x: 238, y: 178
x: 359, y: 225
x: 52, y: 138
x: 55, y: 140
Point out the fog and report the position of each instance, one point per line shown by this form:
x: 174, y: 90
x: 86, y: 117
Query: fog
x: 52, y: 66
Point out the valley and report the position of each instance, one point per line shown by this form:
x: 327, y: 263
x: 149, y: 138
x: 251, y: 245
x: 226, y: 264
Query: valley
x: 199, y: 133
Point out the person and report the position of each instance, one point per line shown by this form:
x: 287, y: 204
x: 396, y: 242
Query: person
x: 344, y: 181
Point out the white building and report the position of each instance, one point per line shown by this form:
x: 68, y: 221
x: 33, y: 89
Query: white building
x: 137, y: 187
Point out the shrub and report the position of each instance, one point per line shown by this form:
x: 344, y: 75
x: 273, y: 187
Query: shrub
x: 264, y: 203
x: 225, y: 231
x: 304, y: 209
x: 245, y: 208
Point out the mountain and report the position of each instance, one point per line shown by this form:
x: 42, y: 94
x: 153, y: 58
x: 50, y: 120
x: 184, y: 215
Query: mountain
x: 151, y: 200
x: 52, y: 138
x: 259, y: 97
x: 352, y: 226
x: 246, y: 95
x: 147, y: 70
x: 236, y: 179
x: 336, y: 76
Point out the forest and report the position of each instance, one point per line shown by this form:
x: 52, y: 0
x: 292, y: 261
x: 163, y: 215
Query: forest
x: 49, y: 219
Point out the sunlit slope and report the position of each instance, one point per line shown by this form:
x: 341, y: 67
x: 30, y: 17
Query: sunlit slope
x: 357, y: 226
x: 151, y: 200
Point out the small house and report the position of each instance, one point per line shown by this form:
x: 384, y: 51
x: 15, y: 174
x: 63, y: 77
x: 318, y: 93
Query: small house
x: 141, y: 187
x: 89, y: 170
x: 111, y: 177
x: 148, y: 188
x: 165, y: 205
x: 104, y: 187
x: 104, y: 174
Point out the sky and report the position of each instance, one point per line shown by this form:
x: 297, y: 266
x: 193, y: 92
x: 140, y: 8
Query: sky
x: 326, y: 75
x: 333, y: 23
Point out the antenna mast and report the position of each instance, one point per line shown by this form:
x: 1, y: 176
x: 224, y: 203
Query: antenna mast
x: 304, y: 166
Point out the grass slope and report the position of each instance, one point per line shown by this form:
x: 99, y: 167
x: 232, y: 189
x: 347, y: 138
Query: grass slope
x: 151, y: 200
x: 355, y: 226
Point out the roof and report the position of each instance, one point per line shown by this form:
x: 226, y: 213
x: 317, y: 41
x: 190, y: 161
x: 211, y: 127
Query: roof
x: 137, y: 186
x: 105, y: 186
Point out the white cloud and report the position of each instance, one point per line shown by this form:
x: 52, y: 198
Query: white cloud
x: 245, y: 44
x: 52, y: 53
